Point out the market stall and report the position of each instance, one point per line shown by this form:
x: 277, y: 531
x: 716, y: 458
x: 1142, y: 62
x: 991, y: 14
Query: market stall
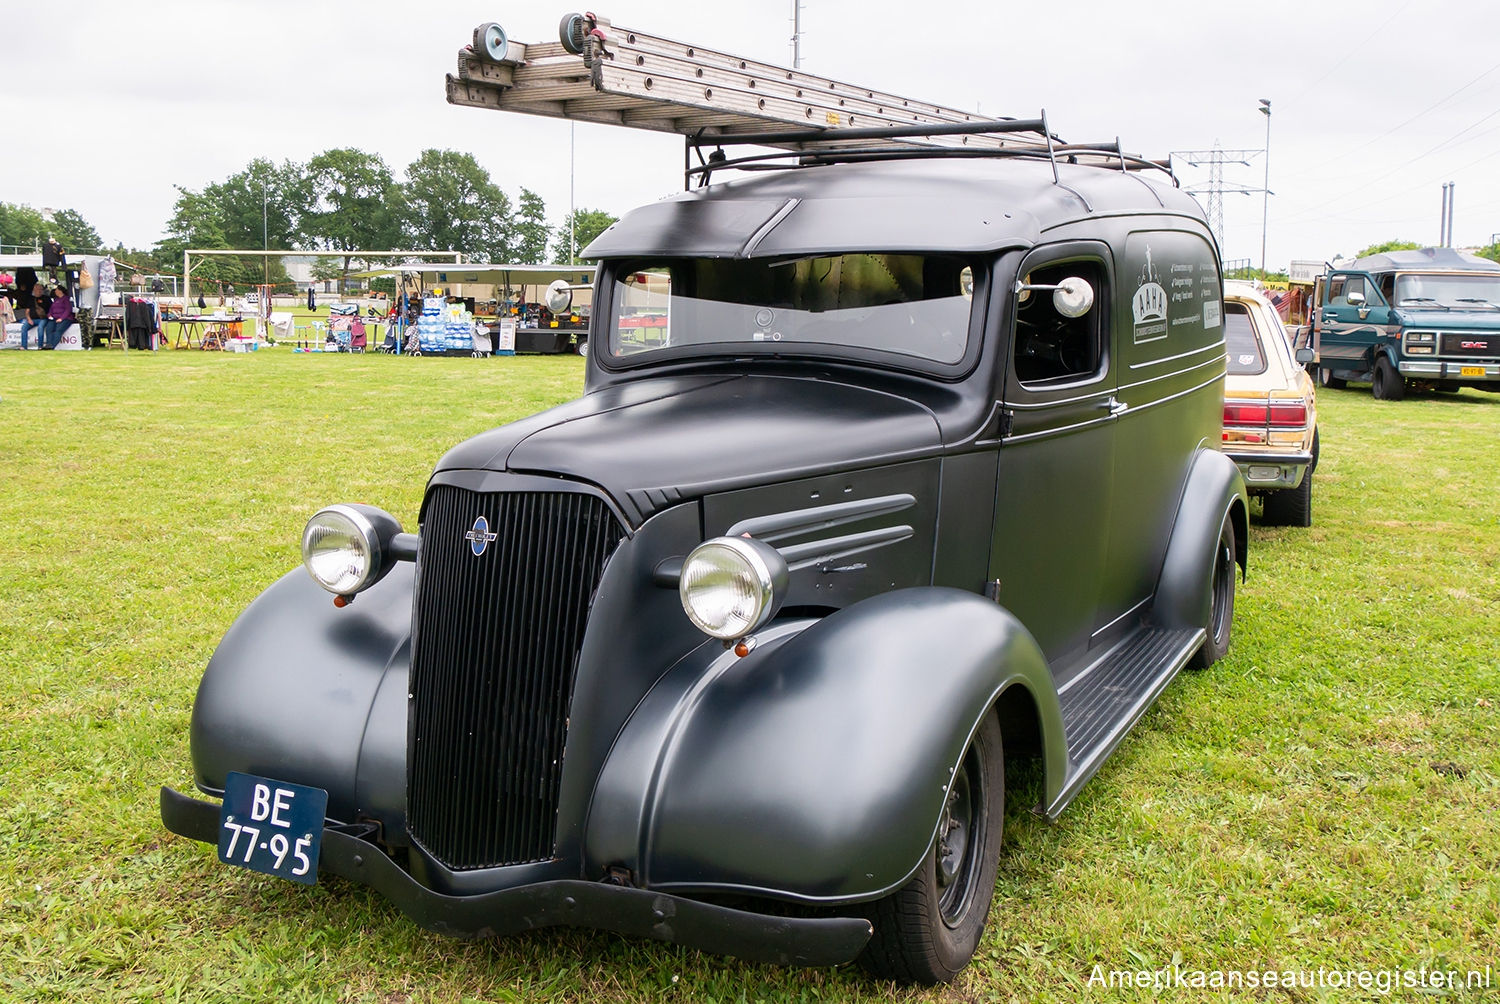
x: 547, y: 307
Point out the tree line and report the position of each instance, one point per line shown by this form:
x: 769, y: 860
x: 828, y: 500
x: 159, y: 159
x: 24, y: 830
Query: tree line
x: 340, y: 201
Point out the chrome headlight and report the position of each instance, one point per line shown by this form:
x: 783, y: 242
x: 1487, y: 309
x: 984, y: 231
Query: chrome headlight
x: 345, y: 547
x: 730, y: 586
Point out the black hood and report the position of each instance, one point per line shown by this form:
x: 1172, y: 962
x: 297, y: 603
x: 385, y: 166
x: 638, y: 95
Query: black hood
x: 652, y: 443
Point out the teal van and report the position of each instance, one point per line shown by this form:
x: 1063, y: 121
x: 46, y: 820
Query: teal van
x: 1429, y: 317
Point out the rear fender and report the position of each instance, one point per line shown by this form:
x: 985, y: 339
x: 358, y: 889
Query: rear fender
x: 814, y: 768
x: 1214, y: 492
x: 293, y: 686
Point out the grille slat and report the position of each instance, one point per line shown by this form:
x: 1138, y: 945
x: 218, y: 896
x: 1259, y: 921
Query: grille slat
x: 495, y: 643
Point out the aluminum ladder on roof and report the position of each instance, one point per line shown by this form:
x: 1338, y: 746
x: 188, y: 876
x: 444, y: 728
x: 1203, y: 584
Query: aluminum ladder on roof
x: 598, y: 72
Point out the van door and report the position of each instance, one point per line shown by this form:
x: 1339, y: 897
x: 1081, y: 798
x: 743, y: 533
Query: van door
x: 1169, y: 346
x: 1353, y: 319
x: 1056, y: 459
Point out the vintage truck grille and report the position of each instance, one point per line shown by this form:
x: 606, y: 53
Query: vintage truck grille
x: 495, y: 640
x: 1482, y: 346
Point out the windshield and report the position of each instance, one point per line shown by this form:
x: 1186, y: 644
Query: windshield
x: 912, y: 305
x: 1454, y: 291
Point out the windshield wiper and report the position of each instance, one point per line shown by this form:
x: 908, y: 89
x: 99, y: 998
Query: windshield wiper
x: 1424, y: 300
x: 1477, y: 299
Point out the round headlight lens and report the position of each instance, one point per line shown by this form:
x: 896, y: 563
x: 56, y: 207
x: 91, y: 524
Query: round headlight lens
x: 340, y: 550
x: 728, y: 587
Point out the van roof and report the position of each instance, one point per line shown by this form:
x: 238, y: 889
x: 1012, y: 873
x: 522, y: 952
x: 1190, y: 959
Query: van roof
x: 1424, y: 260
x: 934, y: 205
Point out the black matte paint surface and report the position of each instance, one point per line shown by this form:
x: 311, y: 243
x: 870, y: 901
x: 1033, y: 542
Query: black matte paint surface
x: 813, y: 768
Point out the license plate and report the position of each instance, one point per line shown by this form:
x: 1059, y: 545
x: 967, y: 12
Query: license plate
x: 273, y: 827
x: 1471, y: 371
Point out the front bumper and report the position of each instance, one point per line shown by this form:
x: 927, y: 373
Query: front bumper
x: 789, y: 941
x: 1266, y: 470
x: 1441, y: 369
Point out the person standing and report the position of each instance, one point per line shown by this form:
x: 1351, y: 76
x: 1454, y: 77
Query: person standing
x: 59, y: 318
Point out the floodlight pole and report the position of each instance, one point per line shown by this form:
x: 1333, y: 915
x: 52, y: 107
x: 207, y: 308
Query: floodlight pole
x: 1265, y: 199
x: 265, y: 238
x: 572, y: 202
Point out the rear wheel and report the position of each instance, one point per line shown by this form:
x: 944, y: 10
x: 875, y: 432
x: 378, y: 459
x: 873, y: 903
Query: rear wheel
x: 926, y: 931
x: 1293, y: 507
x: 581, y: 347
x: 1221, y: 601
x: 1327, y: 379
x: 1388, y: 384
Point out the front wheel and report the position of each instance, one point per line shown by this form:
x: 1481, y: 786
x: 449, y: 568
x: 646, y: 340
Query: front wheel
x: 1221, y: 601
x: 1388, y: 385
x: 1327, y: 379
x: 927, y: 931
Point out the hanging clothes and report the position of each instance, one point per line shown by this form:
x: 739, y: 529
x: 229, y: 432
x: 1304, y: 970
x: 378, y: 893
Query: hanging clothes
x: 140, y: 323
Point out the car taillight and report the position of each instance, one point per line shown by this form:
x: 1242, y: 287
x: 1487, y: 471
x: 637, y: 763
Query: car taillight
x: 1260, y: 415
x: 1245, y: 414
x: 1288, y: 414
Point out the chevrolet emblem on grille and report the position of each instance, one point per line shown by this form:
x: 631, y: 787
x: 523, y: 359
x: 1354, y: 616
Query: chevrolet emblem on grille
x: 479, y: 538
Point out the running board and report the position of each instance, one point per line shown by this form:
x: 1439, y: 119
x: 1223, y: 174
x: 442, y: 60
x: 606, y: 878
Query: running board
x: 1100, y: 705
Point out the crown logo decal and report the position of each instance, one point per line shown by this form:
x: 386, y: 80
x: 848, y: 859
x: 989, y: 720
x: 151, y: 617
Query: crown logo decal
x: 1150, y: 300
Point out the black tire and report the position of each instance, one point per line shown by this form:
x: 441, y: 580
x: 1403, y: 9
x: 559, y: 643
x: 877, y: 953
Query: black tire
x: 1388, y: 384
x: 927, y: 931
x: 1221, y: 601
x: 582, y: 347
x: 1293, y: 507
x: 1327, y: 379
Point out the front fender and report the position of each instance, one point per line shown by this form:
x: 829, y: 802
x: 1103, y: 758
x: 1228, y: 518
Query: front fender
x: 815, y: 767
x: 293, y: 685
x: 1214, y: 492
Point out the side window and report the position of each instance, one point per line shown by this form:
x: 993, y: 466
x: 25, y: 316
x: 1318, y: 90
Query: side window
x: 1388, y: 287
x: 1340, y: 286
x: 1050, y: 347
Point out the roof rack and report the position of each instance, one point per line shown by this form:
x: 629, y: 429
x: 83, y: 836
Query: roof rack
x: 598, y: 72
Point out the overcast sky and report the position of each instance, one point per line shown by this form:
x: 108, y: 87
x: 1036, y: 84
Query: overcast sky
x: 1375, y: 105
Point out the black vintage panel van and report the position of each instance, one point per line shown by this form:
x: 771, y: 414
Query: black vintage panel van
x: 890, y: 467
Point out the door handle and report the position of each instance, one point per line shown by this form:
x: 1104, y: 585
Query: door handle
x: 1113, y: 406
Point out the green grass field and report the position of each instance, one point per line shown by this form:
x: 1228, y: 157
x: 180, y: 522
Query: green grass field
x: 1326, y: 797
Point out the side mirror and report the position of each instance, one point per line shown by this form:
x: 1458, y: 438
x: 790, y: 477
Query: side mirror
x: 1073, y: 297
x: 559, y: 296
x: 1355, y: 297
x: 1305, y: 355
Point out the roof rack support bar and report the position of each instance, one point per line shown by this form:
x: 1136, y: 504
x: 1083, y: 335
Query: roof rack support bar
x: 986, y: 126
x: 1051, y: 152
